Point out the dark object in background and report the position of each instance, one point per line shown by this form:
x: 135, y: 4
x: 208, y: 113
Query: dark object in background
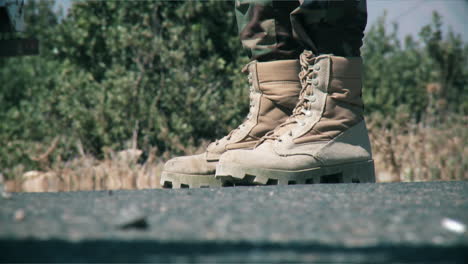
x: 139, y: 223
x: 12, y: 22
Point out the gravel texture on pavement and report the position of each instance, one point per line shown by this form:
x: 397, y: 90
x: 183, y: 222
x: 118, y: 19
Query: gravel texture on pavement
x: 375, y: 223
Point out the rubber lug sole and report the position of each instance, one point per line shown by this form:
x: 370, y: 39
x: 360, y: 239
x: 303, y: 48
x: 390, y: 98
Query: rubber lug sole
x: 170, y: 180
x: 356, y: 172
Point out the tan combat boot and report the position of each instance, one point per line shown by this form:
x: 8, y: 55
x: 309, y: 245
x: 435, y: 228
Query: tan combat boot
x: 324, y: 141
x: 274, y: 92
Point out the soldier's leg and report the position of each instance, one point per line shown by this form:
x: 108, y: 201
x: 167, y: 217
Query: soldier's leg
x: 325, y: 140
x: 275, y: 30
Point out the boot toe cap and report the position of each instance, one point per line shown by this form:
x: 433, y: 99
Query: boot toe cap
x: 195, y: 164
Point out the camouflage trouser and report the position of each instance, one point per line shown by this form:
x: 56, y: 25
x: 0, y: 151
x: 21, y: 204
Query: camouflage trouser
x: 275, y: 30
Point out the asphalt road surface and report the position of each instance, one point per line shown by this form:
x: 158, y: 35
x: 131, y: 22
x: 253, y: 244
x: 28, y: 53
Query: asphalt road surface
x: 344, y: 223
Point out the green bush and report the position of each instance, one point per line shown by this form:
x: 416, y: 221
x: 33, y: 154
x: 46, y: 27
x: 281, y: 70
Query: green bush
x: 168, y: 71
x: 429, y: 75
x: 168, y: 74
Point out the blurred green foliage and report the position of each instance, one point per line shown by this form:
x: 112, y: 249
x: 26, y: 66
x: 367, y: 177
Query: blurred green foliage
x: 168, y: 74
x: 428, y: 76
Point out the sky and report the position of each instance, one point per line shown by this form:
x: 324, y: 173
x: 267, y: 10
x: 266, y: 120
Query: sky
x: 410, y: 15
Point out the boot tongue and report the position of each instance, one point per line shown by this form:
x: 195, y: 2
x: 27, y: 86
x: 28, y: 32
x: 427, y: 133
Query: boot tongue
x: 306, y: 59
x: 292, y: 121
x: 289, y: 124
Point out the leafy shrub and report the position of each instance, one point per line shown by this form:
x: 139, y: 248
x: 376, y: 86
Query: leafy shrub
x: 429, y: 75
x: 167, y: 71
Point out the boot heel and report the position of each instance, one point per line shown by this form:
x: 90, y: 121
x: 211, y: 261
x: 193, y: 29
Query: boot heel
x: 360, y: 172
x: 356, y: 172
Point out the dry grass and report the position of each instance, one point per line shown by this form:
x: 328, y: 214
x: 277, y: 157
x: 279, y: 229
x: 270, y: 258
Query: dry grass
x: 403, y: 151
x: 425, y: 151
x: 119, y: 171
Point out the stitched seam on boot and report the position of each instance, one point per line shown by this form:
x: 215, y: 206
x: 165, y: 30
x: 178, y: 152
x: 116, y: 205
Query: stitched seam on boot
x: 257, y: 114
